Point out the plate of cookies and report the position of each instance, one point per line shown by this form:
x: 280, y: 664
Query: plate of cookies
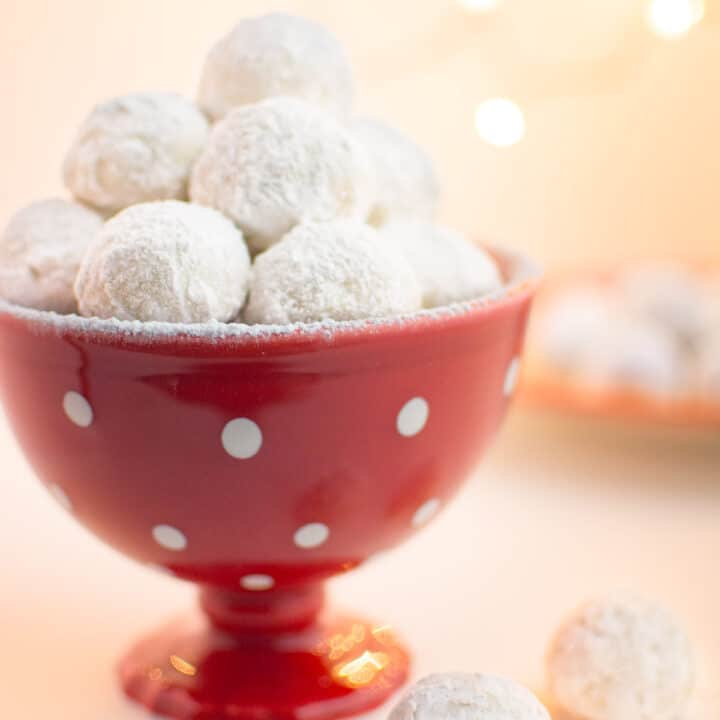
x: 637, y: 342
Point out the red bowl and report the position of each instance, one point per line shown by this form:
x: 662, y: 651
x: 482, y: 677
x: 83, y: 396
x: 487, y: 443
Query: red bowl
x: 257, y: 462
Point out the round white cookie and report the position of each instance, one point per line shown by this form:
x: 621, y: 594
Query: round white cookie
x: 460, y: 696
x: 449, y: 267
x: 276, y: 55
x: 570, y: 323
x: 406, y: 185
x: 339, y: 270
x: 709, y: 365
x: 670, y: 295
x: 283, y: 161
x: 708, y: 348
x: 621, y: 659
x: 167, y: 261
x: 40, y: 252
x: 639, y: 354
x: 135, y: 148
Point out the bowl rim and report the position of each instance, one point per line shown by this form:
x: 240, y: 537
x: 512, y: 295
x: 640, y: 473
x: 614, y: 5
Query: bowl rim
x: 523, y: 277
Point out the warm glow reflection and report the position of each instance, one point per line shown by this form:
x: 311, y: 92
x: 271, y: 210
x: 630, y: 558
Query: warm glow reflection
x: 155, y: 673
x: 384, y: 634
x: 362, y: 670
x: 358, y: 655
x: 671, y: 18
x: 340, y: 644
x: 479, y: 6
x: 500, y: 122
x: 183, y: 666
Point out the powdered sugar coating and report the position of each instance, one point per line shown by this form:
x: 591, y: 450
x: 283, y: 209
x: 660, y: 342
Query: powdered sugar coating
x: 572, y: 320
x: 621, y: 659
x: 460, y: 696
x: 40, y: 253
x: 339, y: 270
x: 521, y: 279
x: 167, y: 261
x: 591, y: 332
x: 135, y: 148
x: 273, y: 165
x: 709, y: 364
x: 406, y: 185
x: 635, y: 353
x: 449, y: 267
x: 670, y: 295
x: 276, y: 55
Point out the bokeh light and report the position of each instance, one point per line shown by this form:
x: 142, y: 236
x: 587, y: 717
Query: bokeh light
x: 479, y: 6
x: 500, y: 122
x: 673, y: 18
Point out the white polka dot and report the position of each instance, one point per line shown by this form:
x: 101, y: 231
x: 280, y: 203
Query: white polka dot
x: 511, y: 377
x: 78, y: 409
x: 169, y: 537
x: 425, y: 512
x: 312, y: 535
x: 412, y: 418
x: 61, y: 497
x: 242, y: 438
x: 257, y: 582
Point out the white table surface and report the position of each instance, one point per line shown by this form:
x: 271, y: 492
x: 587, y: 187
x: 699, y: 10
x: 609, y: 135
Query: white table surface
x: 560, y: 511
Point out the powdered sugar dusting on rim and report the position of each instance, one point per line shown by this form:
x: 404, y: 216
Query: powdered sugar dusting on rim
x: 521, y: 274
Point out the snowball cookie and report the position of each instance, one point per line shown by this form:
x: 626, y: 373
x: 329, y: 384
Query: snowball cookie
x: 621, y: 659
x: 405, y: 182
x: 41, y: 250
x: 571, y: 320
x: 339, y: 270
x: 450, y: 268
x: 461, y: 696
x: 275, y: 55
x: 272, y: 165
x: 669, y: 294
x: 168, y: 261
x: 134, y: 149
x: 709, y: 365
x: 639, y: 354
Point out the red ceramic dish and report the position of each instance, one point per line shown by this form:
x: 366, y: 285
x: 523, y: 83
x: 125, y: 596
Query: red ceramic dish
x: 258, y: 464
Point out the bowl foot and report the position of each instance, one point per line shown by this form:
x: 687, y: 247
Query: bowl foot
x: 335, y: 668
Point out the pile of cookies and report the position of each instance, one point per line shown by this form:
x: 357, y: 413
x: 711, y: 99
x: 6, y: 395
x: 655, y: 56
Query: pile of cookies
x: 651, y: 327
x: 265, y: 201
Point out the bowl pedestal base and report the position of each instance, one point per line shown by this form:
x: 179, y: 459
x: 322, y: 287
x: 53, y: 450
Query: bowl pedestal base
x: 264, y: 656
